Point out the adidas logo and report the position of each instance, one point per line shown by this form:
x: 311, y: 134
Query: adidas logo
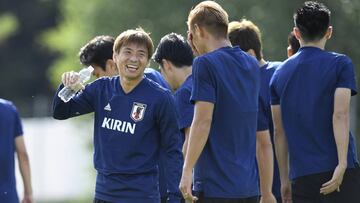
x: 107, y: 107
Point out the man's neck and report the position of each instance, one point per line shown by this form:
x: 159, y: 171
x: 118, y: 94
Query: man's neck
x: 183, y: 73
x: 128, y: 85
x: 262, y: 62
x: 319, y: 44
x: 215, y: 44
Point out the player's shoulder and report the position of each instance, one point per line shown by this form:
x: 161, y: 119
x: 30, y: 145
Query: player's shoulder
x: 341, y: 58
x: 7, y: 105
x: 105, y: 81
x: 273, y: 64
x: 156, y: 88
x: 184, y: 89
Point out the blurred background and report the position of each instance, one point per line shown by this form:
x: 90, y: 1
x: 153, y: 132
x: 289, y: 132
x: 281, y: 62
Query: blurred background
x: 40, y: 39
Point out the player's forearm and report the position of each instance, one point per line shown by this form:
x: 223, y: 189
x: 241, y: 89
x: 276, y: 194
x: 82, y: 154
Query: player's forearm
x: 199, y: 134
x: 281, y: 150
x: 24, y: 165
x: 185, y: 145
x: 265, y: 159
x: 341, y: 135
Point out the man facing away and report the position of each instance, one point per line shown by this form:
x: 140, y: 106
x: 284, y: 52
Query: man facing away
x: 247, y: 36
x: 12, y: 140
x: 127, y: 143
x: 310, y: 98
x: 222, y: 142
x: 175, y: 57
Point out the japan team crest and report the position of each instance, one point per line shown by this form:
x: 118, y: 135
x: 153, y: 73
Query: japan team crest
x: 138, y: 111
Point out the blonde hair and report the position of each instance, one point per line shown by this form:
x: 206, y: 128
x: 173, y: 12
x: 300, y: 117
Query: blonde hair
x: 211, y: 16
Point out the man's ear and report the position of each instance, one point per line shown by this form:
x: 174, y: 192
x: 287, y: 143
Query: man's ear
x: 328, y: 33
x: 166, y: 64
x: 198, y: 31
x: 297, y: 33
x: 110, y: 64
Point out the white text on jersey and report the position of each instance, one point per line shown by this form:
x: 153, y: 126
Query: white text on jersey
x: 121, y: 126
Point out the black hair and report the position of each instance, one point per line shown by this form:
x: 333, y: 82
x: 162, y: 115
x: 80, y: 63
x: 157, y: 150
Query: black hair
x: 293, y: 42
x: 313, y: 20
x: 97, y: 51
x: 174, y: 47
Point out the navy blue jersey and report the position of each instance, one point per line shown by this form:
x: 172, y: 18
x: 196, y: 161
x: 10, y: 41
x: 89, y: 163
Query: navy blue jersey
x: 230, y: 79
x: 185, y: 112
x: 129, y: 131
x: 10, y: 128
x: 157, y: 77
x: 264, y: 116
x: 304, y: 87
x: 184, y: 106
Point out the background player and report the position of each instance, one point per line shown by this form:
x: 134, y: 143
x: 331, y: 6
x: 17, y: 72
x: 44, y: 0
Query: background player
x: 310, y: 97
x: 12, y: 140
x: 247, y: 36
x: 225, y: 91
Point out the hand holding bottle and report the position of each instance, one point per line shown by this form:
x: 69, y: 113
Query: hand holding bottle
x: 74, y: 82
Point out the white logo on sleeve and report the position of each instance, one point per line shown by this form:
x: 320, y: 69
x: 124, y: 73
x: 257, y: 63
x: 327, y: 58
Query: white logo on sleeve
x: 138, y: 111
x: 107, y: 107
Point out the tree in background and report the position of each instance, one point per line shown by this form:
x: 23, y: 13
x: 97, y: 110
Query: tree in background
x: 24, y: 59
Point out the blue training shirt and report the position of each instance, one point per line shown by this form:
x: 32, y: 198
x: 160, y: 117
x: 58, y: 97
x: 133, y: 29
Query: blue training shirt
x: 129, y: 131
x: 157, y: 77
x: 184, y: 106
x: 304, y: 87
x: 10, y: 128
x: 230, y: 79
x: 264, y: 116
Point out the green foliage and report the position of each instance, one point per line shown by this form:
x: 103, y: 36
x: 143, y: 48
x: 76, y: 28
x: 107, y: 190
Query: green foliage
x: 9, y: 25
x: 83, y: 20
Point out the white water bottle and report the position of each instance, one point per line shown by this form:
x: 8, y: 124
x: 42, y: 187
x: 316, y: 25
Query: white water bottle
x: 66, y: 93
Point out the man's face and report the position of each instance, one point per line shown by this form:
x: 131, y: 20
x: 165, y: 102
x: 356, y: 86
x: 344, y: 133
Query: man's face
x: 131, y: 61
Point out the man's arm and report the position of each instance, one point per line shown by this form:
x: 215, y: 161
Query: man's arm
x: 79, y: 105
x: 341, y: 134
x: 282, y: 154
x: 198, y: 137
x: 24, y: 165
x: 185, y: 145
x: 265, y: 159
x: 171, y: 144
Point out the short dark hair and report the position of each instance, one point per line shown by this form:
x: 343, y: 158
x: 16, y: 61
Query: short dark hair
x: 137, y: 36
x: 97, y: 51
x: 174, y: 47
x: 293, y: 42
x: 313, y: 20
x: 246, y: 35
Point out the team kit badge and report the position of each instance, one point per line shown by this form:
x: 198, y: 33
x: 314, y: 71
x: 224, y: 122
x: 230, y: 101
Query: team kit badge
x: 138, y: 111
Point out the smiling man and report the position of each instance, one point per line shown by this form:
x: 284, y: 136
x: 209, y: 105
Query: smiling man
x: 134, y: 118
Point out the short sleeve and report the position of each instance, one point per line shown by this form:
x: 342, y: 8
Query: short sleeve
x: 204, y: 88
x: 274, y: 97
x: 346, y: 75
x: 18, y: 129
x: 263, y: 120
x: 184, y: 108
